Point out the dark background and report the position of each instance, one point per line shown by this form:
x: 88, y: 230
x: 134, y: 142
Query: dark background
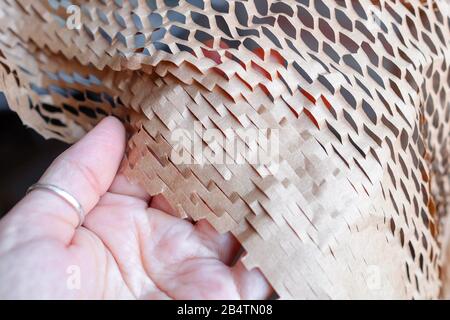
x: 24, y: 156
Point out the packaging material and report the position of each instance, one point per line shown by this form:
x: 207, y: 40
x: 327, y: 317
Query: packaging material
x: 354, y: 97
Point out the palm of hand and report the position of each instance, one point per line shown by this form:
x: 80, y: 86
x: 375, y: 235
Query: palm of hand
x: 150, y: 254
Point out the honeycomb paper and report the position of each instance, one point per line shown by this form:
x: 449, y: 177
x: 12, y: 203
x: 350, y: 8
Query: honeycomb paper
x: 346, y: 105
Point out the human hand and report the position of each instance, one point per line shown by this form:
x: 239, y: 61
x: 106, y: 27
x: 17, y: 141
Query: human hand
x: 129, y: 246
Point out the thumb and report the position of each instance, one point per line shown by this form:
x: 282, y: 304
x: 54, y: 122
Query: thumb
x: 85, y: 171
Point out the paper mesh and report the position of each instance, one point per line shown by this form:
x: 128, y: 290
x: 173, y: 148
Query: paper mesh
x: 359, y: 92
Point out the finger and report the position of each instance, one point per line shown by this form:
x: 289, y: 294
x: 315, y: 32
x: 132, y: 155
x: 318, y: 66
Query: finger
x: 251, y: 284
x: 159, y: 202
x: 85, y: 170
x: 121, y: 185
x: 225, y: 245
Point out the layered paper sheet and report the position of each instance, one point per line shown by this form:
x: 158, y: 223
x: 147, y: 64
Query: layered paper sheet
x: 353, y: 97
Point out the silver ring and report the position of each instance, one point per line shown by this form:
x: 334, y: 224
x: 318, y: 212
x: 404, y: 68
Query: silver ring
x: 66, y: 196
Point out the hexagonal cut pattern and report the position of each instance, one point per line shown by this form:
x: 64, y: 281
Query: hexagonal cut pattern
x: 358, y: 93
